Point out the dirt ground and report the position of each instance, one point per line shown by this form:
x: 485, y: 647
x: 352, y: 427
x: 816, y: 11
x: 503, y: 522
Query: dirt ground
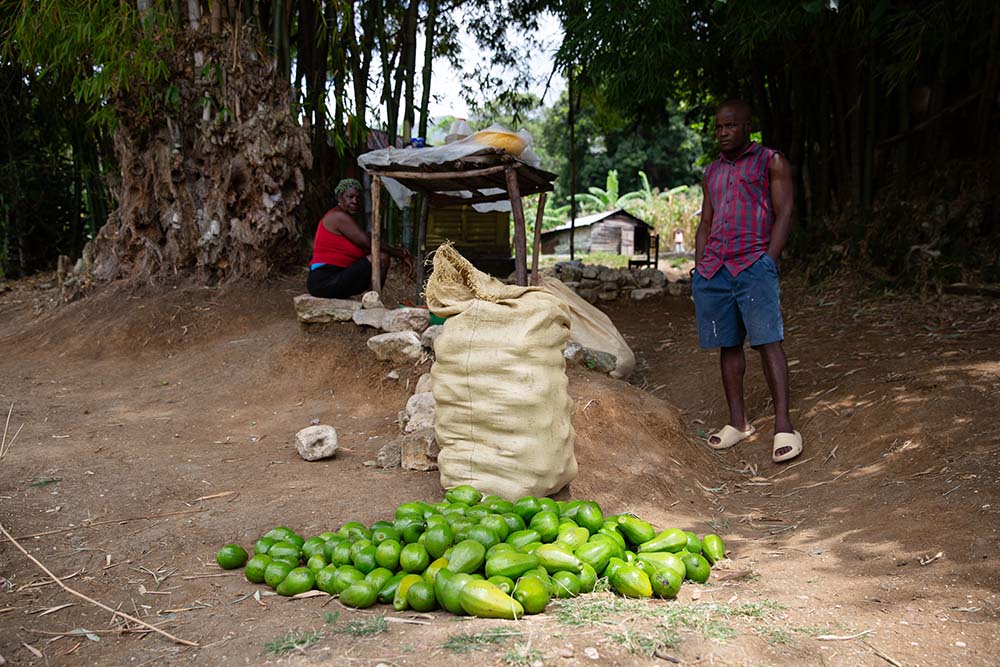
x: 157, y: 427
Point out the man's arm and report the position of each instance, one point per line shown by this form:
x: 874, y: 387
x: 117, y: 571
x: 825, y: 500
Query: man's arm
x: 783, y: 202
x: 704, y: 224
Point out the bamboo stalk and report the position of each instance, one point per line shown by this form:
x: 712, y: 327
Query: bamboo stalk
x: 92, y: 601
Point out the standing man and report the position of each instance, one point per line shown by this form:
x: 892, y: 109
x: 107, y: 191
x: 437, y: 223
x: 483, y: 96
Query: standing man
x: 746, y: 216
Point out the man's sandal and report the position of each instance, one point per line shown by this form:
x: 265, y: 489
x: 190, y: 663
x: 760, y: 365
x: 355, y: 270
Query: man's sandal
x: 792, y: 442
x: 729, y: 436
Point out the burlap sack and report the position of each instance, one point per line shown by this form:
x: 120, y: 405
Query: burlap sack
x: 499, y: 380
x: 591, y: 328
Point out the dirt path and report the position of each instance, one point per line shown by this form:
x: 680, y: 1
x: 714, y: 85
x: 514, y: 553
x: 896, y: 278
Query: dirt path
x: 138, y: 405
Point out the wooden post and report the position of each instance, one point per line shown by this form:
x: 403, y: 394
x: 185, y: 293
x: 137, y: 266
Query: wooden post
x: 520, y: 237
x: 537, y: 250
x: 425, y: 210
x: 377, y: 234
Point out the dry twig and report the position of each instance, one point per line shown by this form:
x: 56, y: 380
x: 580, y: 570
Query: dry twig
x: 104, y: 523
x: 89, y: 599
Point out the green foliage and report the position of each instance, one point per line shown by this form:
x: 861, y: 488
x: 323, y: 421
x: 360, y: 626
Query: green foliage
x: 102, y: 49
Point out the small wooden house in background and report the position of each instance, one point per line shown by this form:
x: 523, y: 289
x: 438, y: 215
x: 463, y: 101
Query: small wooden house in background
x: 482, y: 238
x: 617, y: 232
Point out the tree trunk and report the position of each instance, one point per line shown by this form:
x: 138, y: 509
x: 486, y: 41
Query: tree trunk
x: 210, y: 201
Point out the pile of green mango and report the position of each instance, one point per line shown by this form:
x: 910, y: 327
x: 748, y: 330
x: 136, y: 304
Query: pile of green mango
x: 482, y: 556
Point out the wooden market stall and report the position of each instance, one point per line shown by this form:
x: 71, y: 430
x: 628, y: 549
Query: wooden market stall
x: 491, y: 175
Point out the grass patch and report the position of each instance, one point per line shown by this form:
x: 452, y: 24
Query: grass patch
x: 646, y: 644
x: 775, y: 635
x: 522, y: 656
x: 365, y: 627
x: 711, y: 620
x: 295, y: 640
x: 369, y: 626
x: 466, y: 642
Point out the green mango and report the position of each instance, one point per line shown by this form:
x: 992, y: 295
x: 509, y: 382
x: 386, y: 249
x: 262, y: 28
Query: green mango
x: 636, y: 530
x: 672, y: 540
x: 510, y: 564
x: 596, y: 554
x: 466, y: 557
x: 484, y: 600
x: 631, y: 582
x: 556, y: 557
x: 713, y: 548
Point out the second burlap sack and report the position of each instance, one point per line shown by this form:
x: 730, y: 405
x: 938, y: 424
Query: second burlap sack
x: 503, y: 412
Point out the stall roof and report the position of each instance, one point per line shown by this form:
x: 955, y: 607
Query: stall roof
x: 481, y: 176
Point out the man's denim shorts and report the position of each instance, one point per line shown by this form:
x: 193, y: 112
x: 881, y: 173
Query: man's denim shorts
x: 729, y: 308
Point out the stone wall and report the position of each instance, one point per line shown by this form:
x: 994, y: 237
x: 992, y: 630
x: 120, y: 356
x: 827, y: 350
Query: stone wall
x: 603, y: 283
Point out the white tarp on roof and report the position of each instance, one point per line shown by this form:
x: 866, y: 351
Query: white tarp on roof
x: 496, y: 136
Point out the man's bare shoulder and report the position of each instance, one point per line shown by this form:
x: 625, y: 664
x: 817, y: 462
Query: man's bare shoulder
x: 779, y: 165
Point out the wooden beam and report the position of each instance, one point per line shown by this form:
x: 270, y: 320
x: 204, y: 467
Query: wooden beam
x: 377, y: 234
x: 425, y: 211
x: 445, y: 175
x: 520, y: 237
x: 537, y: 250
x: 448, y: 200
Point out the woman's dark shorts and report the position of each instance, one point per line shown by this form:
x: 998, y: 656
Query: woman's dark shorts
x: 335, y: 282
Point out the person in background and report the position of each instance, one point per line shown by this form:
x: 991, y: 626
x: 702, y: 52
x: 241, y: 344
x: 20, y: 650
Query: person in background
x: 746, y: 217
x: 341, y: 265
x: 679, y: 240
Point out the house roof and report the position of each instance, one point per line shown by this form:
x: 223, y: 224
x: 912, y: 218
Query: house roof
x: 588, y: 220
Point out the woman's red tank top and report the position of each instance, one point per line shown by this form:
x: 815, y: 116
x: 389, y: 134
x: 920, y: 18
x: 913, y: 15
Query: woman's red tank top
x: 334, y: 249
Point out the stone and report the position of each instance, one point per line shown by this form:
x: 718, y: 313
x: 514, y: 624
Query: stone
x: 596, y: 360
x: 406, y: 319
x: 390, y: 455
x: 314, y: 310
x: 392, y: 375
x: 573, y: 353
x: 419, y: 412
x: 644, y: 293
x: 589, y: 283
x: 316, y: 442
x: 573, y: 285
x: 643, y: 280
x: 369, y: 317
x: 590, y: 272
x: 424, y: 384
x: 371, y: 300
x: 608, y: 295
x: 658, y: 279
x: 570, y: 273
x: 626, y: 278
x: 609, y: 286
x: 607, y: 275
x: 430, y: 335
x: 589, y: 295
x: 678, y: 289
x: 418, y: 450
x: 399, y: 346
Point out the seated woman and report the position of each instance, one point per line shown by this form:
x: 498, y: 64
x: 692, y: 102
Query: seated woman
x: 341, y: 265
